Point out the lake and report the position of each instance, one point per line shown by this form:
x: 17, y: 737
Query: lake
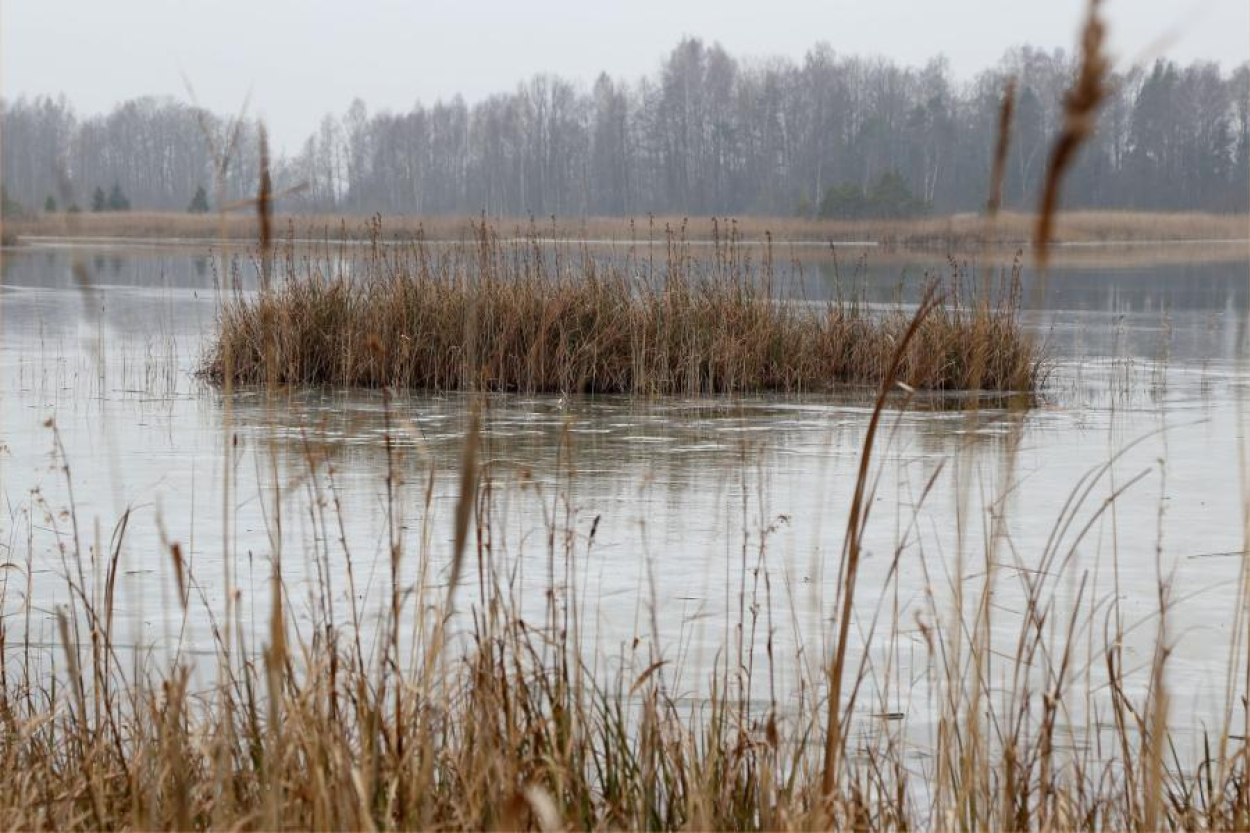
x: 675, y: 519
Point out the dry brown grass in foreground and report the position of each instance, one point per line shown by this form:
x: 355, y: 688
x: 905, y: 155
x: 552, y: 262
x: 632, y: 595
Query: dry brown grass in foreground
x: 526, y: 316
x: 502, y: 719
x: 963, y: 232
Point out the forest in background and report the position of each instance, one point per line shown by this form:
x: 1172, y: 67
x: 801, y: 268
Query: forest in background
x: 707, y: 133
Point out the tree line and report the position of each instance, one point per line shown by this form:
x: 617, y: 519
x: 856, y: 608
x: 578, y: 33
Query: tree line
x: 706, y: 133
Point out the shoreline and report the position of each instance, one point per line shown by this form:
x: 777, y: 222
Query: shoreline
x: 1092, y: 254
x: 66, y: 240
x: 949, y: 232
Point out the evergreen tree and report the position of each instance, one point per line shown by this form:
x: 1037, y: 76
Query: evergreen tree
x: 49, y: 205
x: 844, y: 202
x: 8, y: 207
x: 889, y: 197
x: 117, y: 200
x: 98, y: 201
x: 73, y: 208
x: 199, y: 203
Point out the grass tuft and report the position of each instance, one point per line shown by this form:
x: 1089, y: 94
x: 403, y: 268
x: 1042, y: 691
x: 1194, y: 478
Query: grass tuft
x: 532, y: 316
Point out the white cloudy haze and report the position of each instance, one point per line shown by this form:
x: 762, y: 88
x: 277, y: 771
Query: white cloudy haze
x: 301, y: 59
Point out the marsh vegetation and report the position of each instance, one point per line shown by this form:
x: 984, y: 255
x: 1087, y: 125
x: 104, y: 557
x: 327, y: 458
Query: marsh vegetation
x: 388, y: 608
x: 961, y: 234
x: 507, y: 531
x: 530, y: 316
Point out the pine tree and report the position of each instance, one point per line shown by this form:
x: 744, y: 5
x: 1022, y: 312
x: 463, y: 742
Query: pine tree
x: 98, y: 201
x: 199, y: 203
x: 8, y: 207
x: 49, y: 205
x: 117, y: 200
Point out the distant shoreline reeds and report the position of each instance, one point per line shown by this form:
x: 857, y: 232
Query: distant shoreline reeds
x: 943, y: 233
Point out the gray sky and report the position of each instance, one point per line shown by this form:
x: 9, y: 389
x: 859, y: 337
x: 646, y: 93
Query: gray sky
x: 303, y: 58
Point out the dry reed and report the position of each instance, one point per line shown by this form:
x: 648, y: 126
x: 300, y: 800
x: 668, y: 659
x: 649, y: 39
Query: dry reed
x: 515, y: 730
x: 1080, y: 110
x: 500, y: 719
x: 1002, y: 144
x: 531, y: 317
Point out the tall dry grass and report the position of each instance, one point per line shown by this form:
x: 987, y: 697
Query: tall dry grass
x: 528, y: 316
x: 461, y: 708
x: 328, y: 724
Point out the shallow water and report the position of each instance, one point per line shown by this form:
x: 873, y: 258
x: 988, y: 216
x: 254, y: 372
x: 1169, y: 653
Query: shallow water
x: 702, y: 510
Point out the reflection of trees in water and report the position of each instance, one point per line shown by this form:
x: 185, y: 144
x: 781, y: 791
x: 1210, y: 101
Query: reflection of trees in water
x: 137, y: 267
x: 1190, y: 312
x: 1203, y: 286
x: 810, y: 274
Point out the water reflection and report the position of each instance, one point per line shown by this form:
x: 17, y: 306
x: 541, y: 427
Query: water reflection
x: 1192, y: 309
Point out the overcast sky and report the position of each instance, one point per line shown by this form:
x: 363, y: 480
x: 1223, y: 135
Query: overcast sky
x: 302, y: 58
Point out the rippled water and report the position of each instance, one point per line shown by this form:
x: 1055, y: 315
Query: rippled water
x: 684, y: 513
